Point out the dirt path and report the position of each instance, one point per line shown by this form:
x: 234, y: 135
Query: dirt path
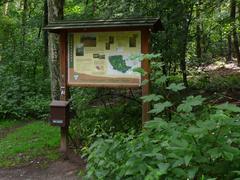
x: 59, y: 170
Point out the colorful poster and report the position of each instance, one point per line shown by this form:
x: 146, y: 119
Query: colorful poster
x: 104, y: 59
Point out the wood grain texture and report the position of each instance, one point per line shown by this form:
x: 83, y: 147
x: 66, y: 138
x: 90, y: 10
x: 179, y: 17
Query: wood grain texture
x: 64, y: 88
x: 146, y: 66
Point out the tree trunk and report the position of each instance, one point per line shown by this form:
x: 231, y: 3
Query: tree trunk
x: 5, y: 8
x: 94, y: 6
x: 24, y: 8
x: 229, y: 54
x: 45, y: 40
x: 198, y: 32
x: 55, y: 12
x: 234, y: 30
x: 236, y: 45
x: 183, y: 66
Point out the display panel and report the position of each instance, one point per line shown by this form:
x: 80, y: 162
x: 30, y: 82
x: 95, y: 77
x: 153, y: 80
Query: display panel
x: 104, y: 59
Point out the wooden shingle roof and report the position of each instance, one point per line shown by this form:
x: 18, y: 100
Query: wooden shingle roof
x: 87, y: 25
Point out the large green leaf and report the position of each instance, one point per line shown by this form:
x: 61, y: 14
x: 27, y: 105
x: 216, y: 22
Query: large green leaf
x: 176, y: 87
x: 156, y: 124
x: 151, y: 97
x: 184, y: 108
x: 160, y: 107
x: 187, y: 159
x: 189, y: 103
x: 140, y: 71
x: 161, y: 80
x: 229, y: 107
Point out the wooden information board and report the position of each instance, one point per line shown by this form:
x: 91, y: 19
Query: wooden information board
x: 102, y: 53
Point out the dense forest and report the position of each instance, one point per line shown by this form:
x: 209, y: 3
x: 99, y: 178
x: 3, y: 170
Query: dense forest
x: 194, y: 129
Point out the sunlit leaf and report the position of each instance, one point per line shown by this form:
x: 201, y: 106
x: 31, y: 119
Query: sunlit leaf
x: 160, y: 107
x: 229, y: 107
x: 151, y: 97
x: 176, y: 87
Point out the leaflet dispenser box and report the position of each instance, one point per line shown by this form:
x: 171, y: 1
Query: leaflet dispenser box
x: 60, y: 113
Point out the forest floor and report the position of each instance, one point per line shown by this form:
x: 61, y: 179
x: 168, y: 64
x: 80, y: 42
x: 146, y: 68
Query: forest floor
x: 219, y: 82
x: 57, y: 170
x: 37, y: 166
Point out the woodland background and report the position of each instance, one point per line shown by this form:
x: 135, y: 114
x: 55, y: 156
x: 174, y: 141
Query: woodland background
x: 192, y: 134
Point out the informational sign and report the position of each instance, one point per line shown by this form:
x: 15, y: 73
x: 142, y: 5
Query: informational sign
x: 104, y: 58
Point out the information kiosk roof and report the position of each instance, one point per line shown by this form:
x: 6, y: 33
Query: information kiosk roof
x: 154, y: 24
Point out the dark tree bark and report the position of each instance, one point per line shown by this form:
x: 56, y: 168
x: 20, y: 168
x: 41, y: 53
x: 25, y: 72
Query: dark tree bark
x: 198, y: 32
x: 183, y: 65
x: 234, y: 30
x: 186, y: 25
x: 45, y: 40
x: 94, y: 6
x: 24, y: 7
x: 55, y: 12
x: 229, y: 54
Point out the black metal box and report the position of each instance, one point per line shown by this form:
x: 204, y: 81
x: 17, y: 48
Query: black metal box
x: 59, y: 113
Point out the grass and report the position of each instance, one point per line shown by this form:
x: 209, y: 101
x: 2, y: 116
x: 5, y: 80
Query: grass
x: 33, y: 142
x: 5, y: 124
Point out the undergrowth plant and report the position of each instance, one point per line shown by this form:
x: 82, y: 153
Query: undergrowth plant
x: 93, y: 118
x: 186, y: 139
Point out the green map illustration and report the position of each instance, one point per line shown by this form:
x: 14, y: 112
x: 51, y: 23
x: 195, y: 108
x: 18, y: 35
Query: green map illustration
x: 118, y: 63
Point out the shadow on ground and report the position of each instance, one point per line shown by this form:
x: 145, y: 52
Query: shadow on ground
x: 58, y: 170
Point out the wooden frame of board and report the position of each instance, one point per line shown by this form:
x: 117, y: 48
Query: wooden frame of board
x: 145, y: 25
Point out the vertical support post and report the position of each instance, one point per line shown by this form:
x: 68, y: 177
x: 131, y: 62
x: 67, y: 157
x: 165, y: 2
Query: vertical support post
x: 145, y: 38
x: 64, y: 88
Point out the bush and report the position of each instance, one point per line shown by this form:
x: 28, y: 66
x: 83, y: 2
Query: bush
x: 197, y: 142
x: 216, y: 83
x: 209, y: 148
x: 37, y: 107
x: 94, y: 118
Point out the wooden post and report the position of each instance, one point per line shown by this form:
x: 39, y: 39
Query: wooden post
x: 145, y: 37
x: 64, y: 88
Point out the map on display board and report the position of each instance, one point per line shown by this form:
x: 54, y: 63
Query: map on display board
x: 104, y: 58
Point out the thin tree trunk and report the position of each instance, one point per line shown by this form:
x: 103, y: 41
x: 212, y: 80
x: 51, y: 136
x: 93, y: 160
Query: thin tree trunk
x: 234, y: 30
x: 55, y: 12
x: 23, y: 47
x: 222, y: 44
x: 183, y: 66
x: 198, y: 32
x: 229, y: 54
x: 5, y: 8
x: 94, y: 6
x: 45, y: 41
x: 236, y: 45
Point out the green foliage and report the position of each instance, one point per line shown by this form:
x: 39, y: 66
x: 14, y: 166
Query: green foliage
x: 189, y: 103
x: 197, y: 142
x: 207, y: 147
x: 215, y: 83
x: 151, y: 97
x: 99, y: 116
x: 25, y: 86
x: 25, y: 144
x: 36, y: 107
x: 229, y: 107
x: 160, y: 107
x: 176, y: 87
